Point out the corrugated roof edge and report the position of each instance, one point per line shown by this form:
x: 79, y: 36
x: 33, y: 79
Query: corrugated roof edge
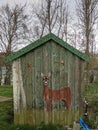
x: 41, y: 41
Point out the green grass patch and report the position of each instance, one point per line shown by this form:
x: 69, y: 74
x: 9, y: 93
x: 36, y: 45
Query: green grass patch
x: 6, y: 114
x: 91, y: 89
x: 91, y: 94
x: 28, y: 127
x: 6, y: 108
x: 6, y: 91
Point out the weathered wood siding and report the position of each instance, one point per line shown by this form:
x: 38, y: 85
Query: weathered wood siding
x: 64, y: 68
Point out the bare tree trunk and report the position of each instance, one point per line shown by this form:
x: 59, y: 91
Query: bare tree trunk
x: 87, y: 14
x: 48, y: 10
x: 86, y: 11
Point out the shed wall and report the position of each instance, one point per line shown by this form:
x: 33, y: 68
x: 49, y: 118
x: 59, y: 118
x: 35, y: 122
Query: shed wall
x: 64, y: 67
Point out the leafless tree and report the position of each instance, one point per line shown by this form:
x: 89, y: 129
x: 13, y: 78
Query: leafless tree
x: 12, y: 27
x: 87, y: 14
x: 12, y: 30
x: 51, y: 16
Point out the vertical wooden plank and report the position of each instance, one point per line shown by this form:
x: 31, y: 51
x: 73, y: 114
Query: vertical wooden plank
x: 62, y: 84
x: 38, y: 83
x: 16, y: 92
x: 28, y: 74
x: 80, y: 85
x: 18, y: 89
x: 71, y: 81
x: 23, y: 69
x: 73, y: 87
x: 56, y: 104
x: 76, y: 83
x: 41, y: 87
x: 56, y: 66
x: 47, y: 70
x: 52, y: 78
x: 76, y: 88
x: 66, y: 78
x: 29, y: 90
x: 33, y: 88
x: 55, y: 58
x: 66, y: 68
x: 62, y: 67
x: 43, y: 71
x: 24, y: 76
x: 26, y: 67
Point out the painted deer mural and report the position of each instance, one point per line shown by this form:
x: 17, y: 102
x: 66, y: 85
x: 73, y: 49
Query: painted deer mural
x: 50, y: 95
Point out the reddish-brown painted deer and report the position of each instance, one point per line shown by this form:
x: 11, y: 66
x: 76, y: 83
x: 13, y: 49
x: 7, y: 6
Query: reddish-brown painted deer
x: 50, y: 95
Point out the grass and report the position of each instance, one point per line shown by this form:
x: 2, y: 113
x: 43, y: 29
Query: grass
x: 6, y: 91
x: 6, y: 108
x: 91, y: 89
x: 6, y: 114
x: 91, y: 94
x: 28, y: 127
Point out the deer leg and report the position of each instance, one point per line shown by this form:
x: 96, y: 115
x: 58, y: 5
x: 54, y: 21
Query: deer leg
x: 68, y: 104
x: 48, y: 105
x: 45, y: 105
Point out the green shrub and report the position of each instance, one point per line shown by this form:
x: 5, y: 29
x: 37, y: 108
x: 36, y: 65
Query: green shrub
x: 91, y: 93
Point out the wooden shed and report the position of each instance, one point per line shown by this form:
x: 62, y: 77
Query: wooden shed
x: 47, y: 82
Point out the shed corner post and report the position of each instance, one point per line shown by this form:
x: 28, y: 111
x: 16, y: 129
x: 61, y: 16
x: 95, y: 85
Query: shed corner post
x: 80, y: 87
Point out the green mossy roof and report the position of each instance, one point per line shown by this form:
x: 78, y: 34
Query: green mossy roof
x: 40, y: 42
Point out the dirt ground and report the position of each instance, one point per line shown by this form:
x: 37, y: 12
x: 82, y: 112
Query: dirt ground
x: 2, y: 99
